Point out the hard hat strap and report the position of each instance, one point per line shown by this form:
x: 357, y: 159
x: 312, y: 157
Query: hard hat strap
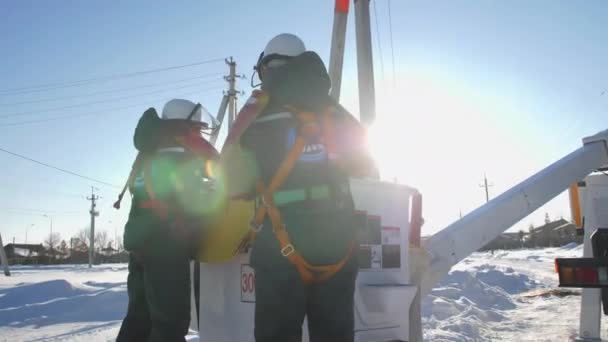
x: 194, y: 110
x: 265, y: 59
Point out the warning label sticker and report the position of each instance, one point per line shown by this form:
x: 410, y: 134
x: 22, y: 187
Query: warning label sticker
x: 376, y: 257
x: 380, y: 246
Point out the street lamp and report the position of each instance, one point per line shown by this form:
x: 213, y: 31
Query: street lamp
x: 26, y: 229
x: 50, y: 218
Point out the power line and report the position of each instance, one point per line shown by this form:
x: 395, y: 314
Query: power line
x: 104, y: 112
x: 109, y: 91
x: 41, y: 211
x: 378, y: 39
x: 59, y: 85
x: 42, y: 191
x: 102, y: 101
x: 21, y: 213
x: 58, y: 169
x: 390, y: 24
x: 22, y: 123
x: 34, y: 214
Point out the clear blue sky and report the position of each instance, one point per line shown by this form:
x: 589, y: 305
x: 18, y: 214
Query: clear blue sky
x: 498, y: 87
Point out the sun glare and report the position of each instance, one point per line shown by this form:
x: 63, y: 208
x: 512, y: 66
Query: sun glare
x: 431, y: 136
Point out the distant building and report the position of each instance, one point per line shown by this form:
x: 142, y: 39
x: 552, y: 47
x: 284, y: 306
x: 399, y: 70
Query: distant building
x: 551, y: 234
x: 19, y: 253
x: 505, y: 241
x: 108, y: 251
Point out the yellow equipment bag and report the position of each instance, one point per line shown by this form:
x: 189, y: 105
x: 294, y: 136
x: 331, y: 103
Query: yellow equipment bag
x: 227, y: 232
x: 224, y: 237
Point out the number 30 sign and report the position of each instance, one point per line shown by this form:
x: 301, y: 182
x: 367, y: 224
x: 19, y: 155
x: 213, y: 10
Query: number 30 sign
x: 247, y: 284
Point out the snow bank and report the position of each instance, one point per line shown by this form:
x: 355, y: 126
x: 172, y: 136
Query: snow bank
x: 507, y: 279
x: 504, y: 296
x: 64, y: 303
x: 571, y: 245
x: 462, y: 304
x: 60, y: 301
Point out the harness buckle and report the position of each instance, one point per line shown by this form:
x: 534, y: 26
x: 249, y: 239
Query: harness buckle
x: 255, y: 227
x: 263, y: 201
x: 287, y: 250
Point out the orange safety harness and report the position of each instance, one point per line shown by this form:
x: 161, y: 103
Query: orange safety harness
x: 308, y: 129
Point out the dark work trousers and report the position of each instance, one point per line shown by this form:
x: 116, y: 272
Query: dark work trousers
x: 283, y: 300
x: 159, y: 298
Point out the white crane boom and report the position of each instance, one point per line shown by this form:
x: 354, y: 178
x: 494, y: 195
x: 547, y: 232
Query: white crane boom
x: 457, y: 241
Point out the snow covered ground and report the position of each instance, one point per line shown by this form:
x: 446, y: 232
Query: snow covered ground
x: 487, y: 297
x: 63, y: 303
x: 499, y: 297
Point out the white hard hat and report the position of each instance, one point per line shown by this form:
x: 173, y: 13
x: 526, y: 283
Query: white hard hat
x: 182, y: 110
x: 281, y: 46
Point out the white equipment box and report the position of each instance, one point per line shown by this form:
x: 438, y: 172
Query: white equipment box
x: 383, y: 295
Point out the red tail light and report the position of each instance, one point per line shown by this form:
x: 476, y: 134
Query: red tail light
x: 582, y: 272
x: 586, y: 275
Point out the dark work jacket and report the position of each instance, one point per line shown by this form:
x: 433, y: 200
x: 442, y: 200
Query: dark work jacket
x: 321, y: 231
x: 177, y: 181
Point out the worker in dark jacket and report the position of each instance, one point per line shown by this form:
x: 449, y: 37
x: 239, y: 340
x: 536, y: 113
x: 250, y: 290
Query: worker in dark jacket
x: 314, y: 200
x: 171, y: 196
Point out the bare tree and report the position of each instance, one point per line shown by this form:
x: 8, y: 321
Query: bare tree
x: 531, y: 236
x: 119, y: 246
x: 83, y: 239
x: 63, y: 247
x: 52, y: 242
x: 101, y: 239
x: 521, y: 238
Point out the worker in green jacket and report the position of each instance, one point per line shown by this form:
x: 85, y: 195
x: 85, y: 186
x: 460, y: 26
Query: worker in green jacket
x: 172, y: 194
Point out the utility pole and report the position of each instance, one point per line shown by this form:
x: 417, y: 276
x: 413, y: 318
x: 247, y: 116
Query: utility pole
x: 486, y: 186
x: 228, y: 101
x: 232, y: 92
x: 93, y: 213
x: 4, y: 260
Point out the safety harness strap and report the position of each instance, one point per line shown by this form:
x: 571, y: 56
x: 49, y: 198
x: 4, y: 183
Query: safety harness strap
x: 160, y: 208
x: 309, y: 273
